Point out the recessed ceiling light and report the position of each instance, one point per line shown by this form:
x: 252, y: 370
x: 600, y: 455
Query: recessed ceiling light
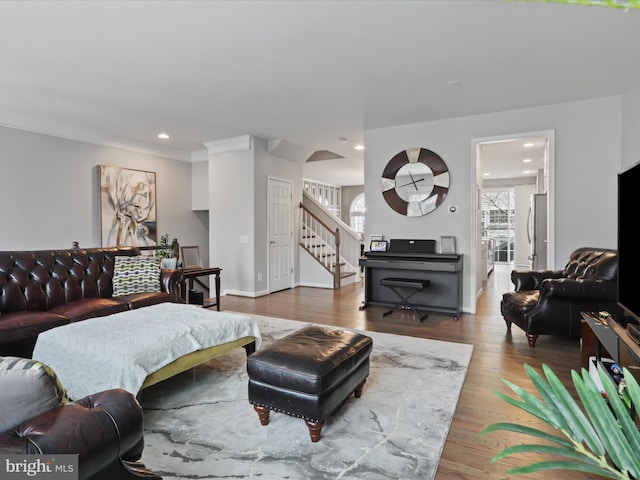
x: 526, y: 171
x: 359, y: 147
x: 528, y: 144
x: 163, y: 136
x: 454, y: 83
x: 526, y: 160
x: 343, y: 140
x: 486, y: 174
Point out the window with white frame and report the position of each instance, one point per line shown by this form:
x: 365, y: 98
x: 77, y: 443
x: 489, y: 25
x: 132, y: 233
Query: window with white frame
x: 498, y: 221
x: 356, y: 213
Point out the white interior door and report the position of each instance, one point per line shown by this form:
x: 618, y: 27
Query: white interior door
x: 280, y: 235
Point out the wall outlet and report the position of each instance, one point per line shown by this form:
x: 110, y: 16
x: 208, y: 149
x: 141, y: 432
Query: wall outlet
x: 259, y: 276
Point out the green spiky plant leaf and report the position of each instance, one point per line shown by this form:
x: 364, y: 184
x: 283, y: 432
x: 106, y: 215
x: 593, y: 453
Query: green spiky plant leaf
x: 625, y: 4
x: 597, y: 436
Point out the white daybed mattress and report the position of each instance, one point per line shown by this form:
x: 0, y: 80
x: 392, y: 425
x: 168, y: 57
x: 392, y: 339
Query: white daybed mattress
x: 121, y: 350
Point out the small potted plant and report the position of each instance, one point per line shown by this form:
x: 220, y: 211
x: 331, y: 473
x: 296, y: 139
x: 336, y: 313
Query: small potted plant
x: 166, y: 253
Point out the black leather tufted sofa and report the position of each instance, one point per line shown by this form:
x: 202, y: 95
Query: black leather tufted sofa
x: 549, y: 302
x: 44, y: 289
x: 105, y: 430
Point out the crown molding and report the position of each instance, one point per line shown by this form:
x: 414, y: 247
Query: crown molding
x: 243, y: 142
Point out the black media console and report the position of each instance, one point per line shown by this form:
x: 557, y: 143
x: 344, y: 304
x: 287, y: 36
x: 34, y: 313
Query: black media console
x: 603, y: 336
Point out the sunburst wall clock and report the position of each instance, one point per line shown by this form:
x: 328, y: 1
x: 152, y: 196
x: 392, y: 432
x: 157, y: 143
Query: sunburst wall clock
x: 415, y: 182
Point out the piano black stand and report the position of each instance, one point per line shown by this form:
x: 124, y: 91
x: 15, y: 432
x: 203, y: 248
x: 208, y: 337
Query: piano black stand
x: 444, y: 272
x: 404, y: 290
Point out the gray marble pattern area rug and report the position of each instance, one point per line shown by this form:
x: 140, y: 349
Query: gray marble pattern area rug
x: 200, y: 424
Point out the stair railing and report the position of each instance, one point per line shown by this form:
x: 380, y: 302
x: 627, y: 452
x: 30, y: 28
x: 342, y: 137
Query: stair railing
x: 350, y: 241
x: 321, y: 241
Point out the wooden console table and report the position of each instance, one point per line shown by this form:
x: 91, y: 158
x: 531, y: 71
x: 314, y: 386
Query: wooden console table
x: 191, y: 276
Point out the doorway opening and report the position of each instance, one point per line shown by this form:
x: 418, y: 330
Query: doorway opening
x: 518, y: 163
x: 498, y: 223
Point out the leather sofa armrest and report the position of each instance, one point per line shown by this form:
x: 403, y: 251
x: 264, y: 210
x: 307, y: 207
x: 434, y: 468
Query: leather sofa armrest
x: 100, y: 428
x: 579, y: 290
x: 170, y: 280
x: 532, y: 279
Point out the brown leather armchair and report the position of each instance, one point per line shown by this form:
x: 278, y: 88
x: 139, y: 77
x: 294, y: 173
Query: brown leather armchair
x: 549, y: 302
x: 105, y: 429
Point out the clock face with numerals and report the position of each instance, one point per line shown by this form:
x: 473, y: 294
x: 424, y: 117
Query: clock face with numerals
x: 415, y: 182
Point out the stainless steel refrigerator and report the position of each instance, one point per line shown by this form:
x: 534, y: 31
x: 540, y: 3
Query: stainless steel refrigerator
x: 537, y: 231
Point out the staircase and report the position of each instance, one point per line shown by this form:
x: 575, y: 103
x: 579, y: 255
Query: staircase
x: 330, y: 242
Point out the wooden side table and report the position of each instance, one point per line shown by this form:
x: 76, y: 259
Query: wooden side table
x: 191, y: 276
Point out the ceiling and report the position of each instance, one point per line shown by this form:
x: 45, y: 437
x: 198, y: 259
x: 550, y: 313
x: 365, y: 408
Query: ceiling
x: 308, y: 73
x: 518, y: 157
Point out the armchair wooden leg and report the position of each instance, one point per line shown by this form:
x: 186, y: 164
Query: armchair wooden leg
x: 139, y: 470
x: 508, y: 324
x: 126, y: 470
x: 315, y: 430
x: 532, y: 339
x: 263, y: 414
x: 358, y: 391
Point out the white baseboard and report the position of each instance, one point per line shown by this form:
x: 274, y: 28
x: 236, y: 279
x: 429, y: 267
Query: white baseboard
x: 241, y: 293
x: 316, y: 285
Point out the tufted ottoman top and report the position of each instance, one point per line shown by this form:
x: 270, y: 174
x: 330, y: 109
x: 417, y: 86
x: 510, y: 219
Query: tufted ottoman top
x: 312, y: 360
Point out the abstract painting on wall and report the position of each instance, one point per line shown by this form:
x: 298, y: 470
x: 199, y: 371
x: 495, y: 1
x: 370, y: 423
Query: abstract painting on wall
x: 127, y: 207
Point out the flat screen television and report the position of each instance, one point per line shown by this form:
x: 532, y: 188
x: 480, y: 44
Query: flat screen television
x: 628, y: 252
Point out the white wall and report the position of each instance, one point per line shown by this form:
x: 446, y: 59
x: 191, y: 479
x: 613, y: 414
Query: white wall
x: 238, y: 214
x: 50, y: 185
x: 200, y: 185
x: 630, y: 128
x: 347, y: 195
x: 50, y: 192
x: 231, y: 218
x: 312, y: 273
x: 275, y: 167
x: 587, y: 153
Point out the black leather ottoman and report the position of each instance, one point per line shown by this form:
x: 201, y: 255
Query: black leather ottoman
x: 308, y: 374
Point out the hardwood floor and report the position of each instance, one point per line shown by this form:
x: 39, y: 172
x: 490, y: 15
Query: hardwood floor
x: 497, y: 354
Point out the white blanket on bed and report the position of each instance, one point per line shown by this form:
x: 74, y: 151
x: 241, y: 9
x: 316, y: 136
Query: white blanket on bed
x: 121, y: 350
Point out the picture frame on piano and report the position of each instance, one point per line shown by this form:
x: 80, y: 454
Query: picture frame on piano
x: 378, y: 246
x: 448, y: 245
